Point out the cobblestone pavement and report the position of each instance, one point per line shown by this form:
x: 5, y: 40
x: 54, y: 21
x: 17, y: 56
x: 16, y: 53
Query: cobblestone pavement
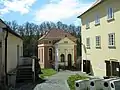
x: 57, y: 81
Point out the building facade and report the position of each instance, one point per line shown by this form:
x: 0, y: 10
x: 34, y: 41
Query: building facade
x: 11, y: 48
x: 100, y: 38
x: 55, y: 48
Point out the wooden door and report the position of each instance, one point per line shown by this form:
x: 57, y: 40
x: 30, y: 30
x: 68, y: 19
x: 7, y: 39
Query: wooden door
x: 108, y: 68
x: 69, y: 61
x: 87, y: 66
x: 115, y: 68
x: 84, y: 65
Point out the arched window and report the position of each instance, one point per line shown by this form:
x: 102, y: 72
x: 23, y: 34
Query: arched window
x: 50, y: 54
x: 62, y: 57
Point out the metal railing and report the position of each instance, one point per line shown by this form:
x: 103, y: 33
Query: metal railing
x: 25, y: 61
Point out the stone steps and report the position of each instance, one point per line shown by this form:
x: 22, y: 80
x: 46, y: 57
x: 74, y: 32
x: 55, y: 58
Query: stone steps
x: 24, y: 74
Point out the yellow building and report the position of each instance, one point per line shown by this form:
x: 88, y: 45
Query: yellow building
x: 101, y: 38
x: 57, y: 47
x: 11, y: 48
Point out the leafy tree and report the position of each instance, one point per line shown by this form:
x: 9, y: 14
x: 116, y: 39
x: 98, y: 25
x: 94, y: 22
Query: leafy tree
x: 31, y: 32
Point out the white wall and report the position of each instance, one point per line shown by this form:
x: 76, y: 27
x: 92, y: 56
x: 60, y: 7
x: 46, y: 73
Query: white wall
x: 13, y: 41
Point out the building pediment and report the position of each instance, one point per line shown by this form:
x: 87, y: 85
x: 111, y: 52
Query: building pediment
x: 66, y: 41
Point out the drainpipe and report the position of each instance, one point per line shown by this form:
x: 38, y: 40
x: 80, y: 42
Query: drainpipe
x: 6, y: 78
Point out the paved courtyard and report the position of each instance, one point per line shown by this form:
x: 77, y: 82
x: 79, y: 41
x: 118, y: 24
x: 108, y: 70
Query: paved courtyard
x: 57, y: 81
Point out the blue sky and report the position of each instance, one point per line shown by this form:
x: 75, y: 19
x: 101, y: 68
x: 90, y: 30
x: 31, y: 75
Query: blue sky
x: 38, y: 11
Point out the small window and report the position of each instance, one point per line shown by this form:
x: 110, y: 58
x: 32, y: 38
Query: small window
x: 110, y: 14
x: 98, y: 41
x: 65, y: 41
x: 87, y: 25
x: 97, y: 20
x: 88, y: 43
x: 111, y: 39
x: 50, y: 54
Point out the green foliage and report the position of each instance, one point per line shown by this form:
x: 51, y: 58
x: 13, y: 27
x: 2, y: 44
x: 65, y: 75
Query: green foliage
x: 71, y: 80
x: 47, y: 72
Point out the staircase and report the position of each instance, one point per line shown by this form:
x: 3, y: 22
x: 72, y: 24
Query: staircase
x: 24, y: 73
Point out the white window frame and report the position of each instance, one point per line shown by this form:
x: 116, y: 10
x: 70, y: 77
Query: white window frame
x: 111, y: 39
x: 110, y: 14
x: 88, y: 43
x: 98, y: 41
x: 97, y: 20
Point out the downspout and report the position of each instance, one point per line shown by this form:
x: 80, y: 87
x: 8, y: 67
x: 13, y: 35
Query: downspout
x: 6, y: 78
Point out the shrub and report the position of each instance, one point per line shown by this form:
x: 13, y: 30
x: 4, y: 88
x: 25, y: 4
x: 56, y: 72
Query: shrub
x: 71, y: 80
x: 47, y: 72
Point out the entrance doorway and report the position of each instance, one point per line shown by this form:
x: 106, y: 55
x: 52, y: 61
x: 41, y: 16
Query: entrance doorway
x: 108, y: 68
x: 69, y: 61
x: 112, y: 68
x: 86, y: 66
x: 115, y: 68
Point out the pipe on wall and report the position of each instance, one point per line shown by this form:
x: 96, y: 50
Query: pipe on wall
x: 6, y: 37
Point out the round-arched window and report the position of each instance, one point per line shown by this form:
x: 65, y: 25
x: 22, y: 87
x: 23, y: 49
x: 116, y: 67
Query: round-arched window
x: 62, y: 57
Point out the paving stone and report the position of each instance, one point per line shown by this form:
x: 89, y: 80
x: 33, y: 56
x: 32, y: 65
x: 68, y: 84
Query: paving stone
x: 57, y: 81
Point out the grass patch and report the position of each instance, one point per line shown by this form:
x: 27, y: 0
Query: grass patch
x: 47, y: 72
x: 71, y: 80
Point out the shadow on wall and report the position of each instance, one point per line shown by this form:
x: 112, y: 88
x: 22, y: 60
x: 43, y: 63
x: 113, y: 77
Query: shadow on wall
x: 79, y: 63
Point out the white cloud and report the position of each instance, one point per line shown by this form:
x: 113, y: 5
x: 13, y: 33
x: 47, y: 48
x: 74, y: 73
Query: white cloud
x: 61, y: 9
x: 22, y: 6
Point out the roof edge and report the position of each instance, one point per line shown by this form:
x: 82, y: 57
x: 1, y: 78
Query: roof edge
x: 90, y: 8
x: 10, y: 30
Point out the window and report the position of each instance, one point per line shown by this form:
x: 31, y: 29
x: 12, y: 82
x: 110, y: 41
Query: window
x: 111, y: 40
x: 88, y: 43
x: 65, y: 41
x: 110, y: 13
x: 98, y: 41
x: 62, y: 57
x: 50, y: 54
x: 87, y: 25
x: 21, y: 51
x: 97, y: 20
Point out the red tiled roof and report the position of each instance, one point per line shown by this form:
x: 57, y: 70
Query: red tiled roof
x: 57, y: 34
x: 97, y: 2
